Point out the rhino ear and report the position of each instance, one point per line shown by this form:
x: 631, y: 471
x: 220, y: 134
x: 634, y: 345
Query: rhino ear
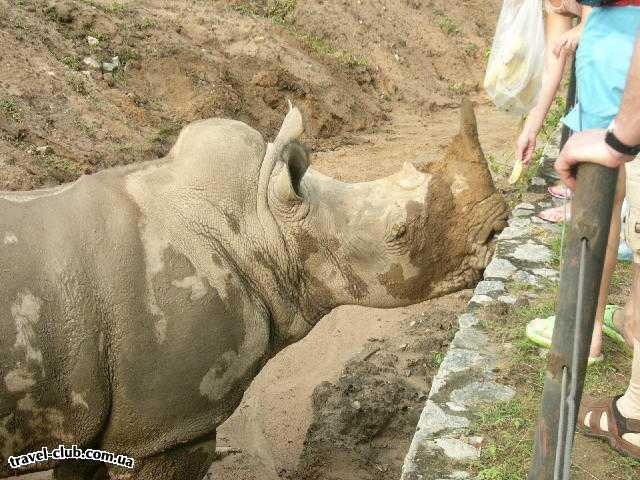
x: 288, y: 179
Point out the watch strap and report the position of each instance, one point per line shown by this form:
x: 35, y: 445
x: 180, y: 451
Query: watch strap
x: 615, y: 143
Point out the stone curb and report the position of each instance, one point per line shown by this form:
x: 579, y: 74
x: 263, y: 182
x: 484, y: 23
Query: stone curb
x: 441, y: 448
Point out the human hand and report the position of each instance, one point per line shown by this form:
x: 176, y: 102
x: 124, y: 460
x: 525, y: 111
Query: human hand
x: 588, y: 146
x: 567, y: 43
x: 526, y: 145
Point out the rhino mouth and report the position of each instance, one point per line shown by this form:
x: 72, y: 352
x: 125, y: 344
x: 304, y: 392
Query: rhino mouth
x: 483, y: 245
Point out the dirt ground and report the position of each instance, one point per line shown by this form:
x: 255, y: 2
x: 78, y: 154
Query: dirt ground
x: 378, y: 82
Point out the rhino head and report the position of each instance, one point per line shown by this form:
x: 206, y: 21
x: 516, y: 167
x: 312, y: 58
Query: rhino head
x: 422, y: 232
x: 308, y: 243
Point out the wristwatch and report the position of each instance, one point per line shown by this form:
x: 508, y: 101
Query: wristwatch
x: 615, y: 143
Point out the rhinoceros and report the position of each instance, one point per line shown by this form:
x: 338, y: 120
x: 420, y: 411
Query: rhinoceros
x: 138, y: 303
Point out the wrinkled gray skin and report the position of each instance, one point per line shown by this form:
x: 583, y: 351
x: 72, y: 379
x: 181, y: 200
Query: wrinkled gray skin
x: 138, y: 303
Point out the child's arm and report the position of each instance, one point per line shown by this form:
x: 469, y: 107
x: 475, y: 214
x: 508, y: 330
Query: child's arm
x: 556, y: 26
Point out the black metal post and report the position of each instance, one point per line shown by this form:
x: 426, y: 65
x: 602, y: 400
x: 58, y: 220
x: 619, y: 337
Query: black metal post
x: 578, y: 299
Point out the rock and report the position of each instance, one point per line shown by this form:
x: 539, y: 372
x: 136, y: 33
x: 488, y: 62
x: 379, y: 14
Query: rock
x: 525, y: 277
x: 532, y: 252
x: 500, y: 268
x: 519, y: 222
x: 91, y: 62
x: 457, y: 449
x: 487, y: 287
x: 512, y: 232
x: 482, y: 392
x: 434, y: 420
x: 456, y: 407
x: 538, y: 182
x: 546, y: 273
x: 525, y: 206
x: 111, y: 66
x: 457, y: 360
x: 521, y: 213
x: 467, y: 320
x: 460, y: 475
x: 480, y: 300
x: 93, y: 41
x: 470, y: 338
x: 44, y: 150
x: 508, y: 299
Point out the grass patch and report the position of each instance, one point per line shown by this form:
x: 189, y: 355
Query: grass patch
x: 553, y: 118
x: 437, y: 358
x: 117, y: 8
x: 496, y: 166
x: 54, y: 162
x: 320, y: 46
x: 281, y: 12
x: 9, y: 107
x: 72, y: 61
x: 471, y: 49
x: 508, y: 427
x: 459, y: 88
x: 77, y: 84
x: 166, y: 133
x: 445, y: 22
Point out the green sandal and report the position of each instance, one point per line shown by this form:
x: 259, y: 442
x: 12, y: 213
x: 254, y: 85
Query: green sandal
x: 540, y: 331
x: 608, y: 327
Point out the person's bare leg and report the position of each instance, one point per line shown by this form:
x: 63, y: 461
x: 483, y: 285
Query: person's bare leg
x: 629, y: 403
x: 611, y: 258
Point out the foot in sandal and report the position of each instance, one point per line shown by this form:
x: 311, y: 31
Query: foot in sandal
x: 617, y: 325
x: 603, y: 419
x: 556, y: 214
x: 559, y: 191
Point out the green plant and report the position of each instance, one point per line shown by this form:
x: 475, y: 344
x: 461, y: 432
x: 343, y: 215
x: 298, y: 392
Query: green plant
x: 76, y: 82
x: 445, y: 22
x: 72, y: 61
x: 280, y: 10
x: 10, y: 108
x: 437, y: 358
x: 459, y: 88
x: 246, y: 9
x: 496, y: 166
x: 117, y: 8
x: 319, y: 45
x: 471, y: 49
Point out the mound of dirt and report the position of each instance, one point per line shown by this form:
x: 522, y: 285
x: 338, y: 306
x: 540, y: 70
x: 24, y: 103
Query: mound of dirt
x: 363, y: 423
x: 89, y: 84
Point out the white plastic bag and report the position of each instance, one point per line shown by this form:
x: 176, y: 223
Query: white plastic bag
x: 514, y: 72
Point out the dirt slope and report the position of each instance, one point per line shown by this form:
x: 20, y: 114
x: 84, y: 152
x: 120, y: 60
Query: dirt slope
x: 347, y: 63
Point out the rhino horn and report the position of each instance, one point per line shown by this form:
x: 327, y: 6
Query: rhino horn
x: 468, y: 134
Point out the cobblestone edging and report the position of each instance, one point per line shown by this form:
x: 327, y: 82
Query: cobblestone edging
x: 441, y: 449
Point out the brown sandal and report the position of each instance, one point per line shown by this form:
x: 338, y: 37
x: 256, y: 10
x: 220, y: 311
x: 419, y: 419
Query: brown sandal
x: 617, y: 424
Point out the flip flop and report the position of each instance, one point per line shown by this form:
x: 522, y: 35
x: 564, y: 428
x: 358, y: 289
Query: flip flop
x: 540, y: 330
x: 555, y: 214
x: 559, y: 191
x: 609, y: 327
x: 617, y: 425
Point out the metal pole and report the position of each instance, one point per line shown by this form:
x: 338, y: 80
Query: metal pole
x: 578, y: 299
